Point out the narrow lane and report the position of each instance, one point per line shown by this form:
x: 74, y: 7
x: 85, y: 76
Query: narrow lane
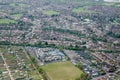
x: 9, y: 72
x: 32, y: 63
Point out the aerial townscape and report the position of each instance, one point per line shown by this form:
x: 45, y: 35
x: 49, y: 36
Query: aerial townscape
x: 59, y: 39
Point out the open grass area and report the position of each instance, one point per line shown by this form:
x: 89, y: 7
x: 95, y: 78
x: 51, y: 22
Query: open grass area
x: 50, y: 12
x: 108, y: 4
x: 78, y: 10
x: 7, y: 21
x: 117, y: 4
x: 62, y: 71
x: 18, y: 5
x: 17, y: 16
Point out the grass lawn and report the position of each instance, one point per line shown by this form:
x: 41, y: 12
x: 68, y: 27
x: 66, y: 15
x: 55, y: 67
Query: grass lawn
x: 117, y: 4
x: 78, y: 10
x: 18, y: 5
x: 62, y: 71
x: 83, y: 10
x: 109, y: 4
x: 7, y: 21
x: 50, y: 12
x: 17, y: 15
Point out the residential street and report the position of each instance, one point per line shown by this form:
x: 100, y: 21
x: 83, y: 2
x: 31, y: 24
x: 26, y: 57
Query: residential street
x: 9, y: 72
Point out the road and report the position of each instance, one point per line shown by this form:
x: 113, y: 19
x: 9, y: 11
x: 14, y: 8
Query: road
x: 9, y: 72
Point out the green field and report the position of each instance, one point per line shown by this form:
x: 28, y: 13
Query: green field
x: 62, y: 71
x: 7, y: 21
x: 78, y: 10
x: 117, y: 4
x: 17, y: 16
x: 18, y: 4
x: 108, y: 4
x: 50, y: 12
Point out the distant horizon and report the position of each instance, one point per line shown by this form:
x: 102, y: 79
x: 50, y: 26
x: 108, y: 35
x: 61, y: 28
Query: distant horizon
x: 112, y: 0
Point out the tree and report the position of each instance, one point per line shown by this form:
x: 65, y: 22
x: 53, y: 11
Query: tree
x: 46, y: 43
x: 83, y: 76
x: 0, y: 73
x: 79, y: 66
x: 41, y: 70
x: 33, y: 60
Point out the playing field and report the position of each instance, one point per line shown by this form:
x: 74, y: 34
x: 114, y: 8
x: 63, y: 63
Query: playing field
x: 50, y: 12
x: 78, y: 10
x: 17, y: 16
x: 62, y: 71
x: 7, y: 21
